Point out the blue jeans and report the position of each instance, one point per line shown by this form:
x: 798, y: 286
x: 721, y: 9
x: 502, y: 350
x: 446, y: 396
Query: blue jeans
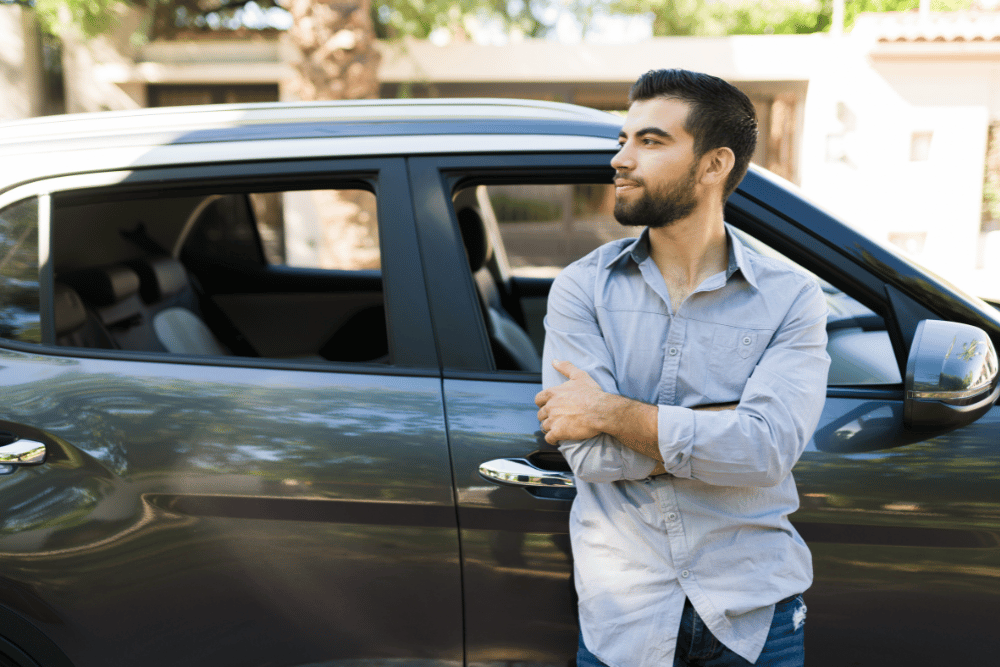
x: 697, y: 646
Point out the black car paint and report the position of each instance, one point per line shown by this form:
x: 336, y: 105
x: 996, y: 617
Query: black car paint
x: 904, y: 527
x: 910, y: 554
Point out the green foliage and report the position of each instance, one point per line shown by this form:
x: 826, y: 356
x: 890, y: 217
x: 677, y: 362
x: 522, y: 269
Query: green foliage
x: 515, y: 209
x: 675, y: 17
x: 418, y: 18
x: 92, y: 17
x: 991, y: 177
x: 720, y: 17
x: 778, y: 17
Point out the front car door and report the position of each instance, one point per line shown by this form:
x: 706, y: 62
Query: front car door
x: 286, y: 505
x: 903, y: 525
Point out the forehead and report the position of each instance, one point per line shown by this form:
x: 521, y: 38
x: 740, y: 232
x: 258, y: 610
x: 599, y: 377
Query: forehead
x: 665, y: 113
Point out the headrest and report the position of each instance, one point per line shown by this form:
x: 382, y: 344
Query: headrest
x: 69, y: 311
x: 474, y: 237
x: 159, y: 277
x: 104, y: 287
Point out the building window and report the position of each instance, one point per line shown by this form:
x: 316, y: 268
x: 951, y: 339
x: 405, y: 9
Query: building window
x: 169, y: 95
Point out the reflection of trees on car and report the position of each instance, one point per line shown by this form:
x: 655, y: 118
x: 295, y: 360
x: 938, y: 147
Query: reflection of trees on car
x: 19, y: 272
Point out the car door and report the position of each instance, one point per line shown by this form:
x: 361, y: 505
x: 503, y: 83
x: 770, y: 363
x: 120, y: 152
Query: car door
x: 219, y: 510
x: 902, y: 524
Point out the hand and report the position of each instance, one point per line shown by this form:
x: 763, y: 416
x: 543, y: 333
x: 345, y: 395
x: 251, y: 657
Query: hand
x: 570, y: 411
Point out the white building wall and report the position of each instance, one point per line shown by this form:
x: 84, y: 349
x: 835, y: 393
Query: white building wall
x: 21, y: 80
x: 89, y: 66
x: 862, y: 115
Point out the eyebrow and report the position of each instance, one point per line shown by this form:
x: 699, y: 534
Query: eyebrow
x: 648, y: 130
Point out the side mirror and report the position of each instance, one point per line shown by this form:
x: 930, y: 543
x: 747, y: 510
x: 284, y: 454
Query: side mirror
x: 951, y: 376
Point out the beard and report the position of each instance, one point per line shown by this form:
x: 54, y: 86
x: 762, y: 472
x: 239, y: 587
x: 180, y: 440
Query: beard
x: 661, y: 207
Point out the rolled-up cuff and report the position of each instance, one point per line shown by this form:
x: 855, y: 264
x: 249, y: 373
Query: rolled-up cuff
x: 636, y: 465
x: 675, y: 434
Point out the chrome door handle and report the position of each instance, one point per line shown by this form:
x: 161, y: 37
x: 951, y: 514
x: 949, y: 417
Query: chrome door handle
x: 22, y: 452
x: 522, y: 472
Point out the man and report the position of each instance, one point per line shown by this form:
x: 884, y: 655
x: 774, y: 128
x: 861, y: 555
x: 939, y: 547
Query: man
x: 683, y: 549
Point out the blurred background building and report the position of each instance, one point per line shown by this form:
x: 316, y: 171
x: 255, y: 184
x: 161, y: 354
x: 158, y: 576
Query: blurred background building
x: 891, y: 125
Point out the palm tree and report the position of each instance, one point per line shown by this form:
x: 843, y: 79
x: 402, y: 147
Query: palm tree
x: 338, y: 57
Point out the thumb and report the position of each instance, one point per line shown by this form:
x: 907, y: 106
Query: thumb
x: 564, y: 367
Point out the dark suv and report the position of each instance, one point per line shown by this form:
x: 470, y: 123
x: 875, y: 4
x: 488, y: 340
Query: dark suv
x: 266, y: 396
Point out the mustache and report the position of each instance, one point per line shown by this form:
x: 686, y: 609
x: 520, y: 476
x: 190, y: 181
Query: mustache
x: 626, y: 176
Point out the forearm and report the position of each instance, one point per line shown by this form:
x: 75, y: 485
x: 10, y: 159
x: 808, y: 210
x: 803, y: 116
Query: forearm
x: 634, y: 424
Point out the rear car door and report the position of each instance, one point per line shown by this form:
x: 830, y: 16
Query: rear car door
x: 290, y: 505
x: 902, y: 524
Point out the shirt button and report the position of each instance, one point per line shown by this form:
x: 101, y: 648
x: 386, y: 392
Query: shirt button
x: 746, y: 340
x: 672, y: 516
x: 685, y: 574
x: 673, y: 352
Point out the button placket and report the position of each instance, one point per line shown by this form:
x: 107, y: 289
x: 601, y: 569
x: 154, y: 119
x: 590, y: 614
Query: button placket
x: 667, y: 389
x: 676, y: 539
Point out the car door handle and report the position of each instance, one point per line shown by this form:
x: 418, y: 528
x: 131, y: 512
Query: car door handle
x: 21, y: 452
x: 522, y: 472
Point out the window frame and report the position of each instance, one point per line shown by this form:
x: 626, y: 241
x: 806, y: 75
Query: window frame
x: 403, y: 290
x: 463, y: 341
x: 465, y: 347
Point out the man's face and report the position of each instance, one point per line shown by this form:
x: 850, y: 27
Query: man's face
x: 657, y: 172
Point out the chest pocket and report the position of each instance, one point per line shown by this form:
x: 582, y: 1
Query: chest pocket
x: 735, y: 353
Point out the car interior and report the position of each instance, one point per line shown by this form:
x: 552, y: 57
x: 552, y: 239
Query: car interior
x: 530, y: 216
x: 189, y: 275
x: 254, y: 274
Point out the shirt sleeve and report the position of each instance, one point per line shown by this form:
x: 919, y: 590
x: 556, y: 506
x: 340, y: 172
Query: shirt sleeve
x: 758, y: 443
x: 572, y: 333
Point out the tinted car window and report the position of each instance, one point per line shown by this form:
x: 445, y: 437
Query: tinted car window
x: 323, y: 229
x: 540, y: 228
x: 544, y: 227
x: 19, y: 297
x: 290, y: 275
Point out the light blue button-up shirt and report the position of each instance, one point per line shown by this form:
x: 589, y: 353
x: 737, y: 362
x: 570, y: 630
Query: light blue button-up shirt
x: 715, y: 529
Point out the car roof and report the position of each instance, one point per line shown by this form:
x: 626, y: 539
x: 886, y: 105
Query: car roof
x: 74, y: 143
x: 252, y: 122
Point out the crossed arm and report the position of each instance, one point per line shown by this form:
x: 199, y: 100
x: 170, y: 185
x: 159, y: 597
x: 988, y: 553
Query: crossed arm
x: 579, y: 409
x: 607, y: 437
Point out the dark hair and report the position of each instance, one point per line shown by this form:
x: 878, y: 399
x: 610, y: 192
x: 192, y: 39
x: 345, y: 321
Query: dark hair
x: 720, y: 115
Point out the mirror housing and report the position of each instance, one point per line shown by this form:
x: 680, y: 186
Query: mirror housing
x: 951, y: 376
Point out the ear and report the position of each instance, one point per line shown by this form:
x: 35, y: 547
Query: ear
x: 716, y: 165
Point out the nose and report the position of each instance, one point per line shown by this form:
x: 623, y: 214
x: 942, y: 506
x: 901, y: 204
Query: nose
x: 622, y: 161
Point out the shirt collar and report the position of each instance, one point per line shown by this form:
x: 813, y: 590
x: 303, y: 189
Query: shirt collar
x: 638, y: 249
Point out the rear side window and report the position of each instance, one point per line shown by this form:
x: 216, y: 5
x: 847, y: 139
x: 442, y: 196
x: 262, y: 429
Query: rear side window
x: 194, y: 272
x: 310, y: 229
x: 318, y: 229
x: 19, y: 301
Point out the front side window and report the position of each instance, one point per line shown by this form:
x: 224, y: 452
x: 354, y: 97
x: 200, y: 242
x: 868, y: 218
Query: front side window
x: 544, y: 227
x: 19, y: 294
x: 541, y: 228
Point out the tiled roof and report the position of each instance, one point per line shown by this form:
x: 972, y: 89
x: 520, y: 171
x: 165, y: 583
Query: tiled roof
x: 957, y: 26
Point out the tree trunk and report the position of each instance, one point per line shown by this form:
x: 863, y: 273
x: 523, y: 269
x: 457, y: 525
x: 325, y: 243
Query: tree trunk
x: 338, y: 59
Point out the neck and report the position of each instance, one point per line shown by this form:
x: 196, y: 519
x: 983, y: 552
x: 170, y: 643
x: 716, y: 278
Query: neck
x: 692, y: 249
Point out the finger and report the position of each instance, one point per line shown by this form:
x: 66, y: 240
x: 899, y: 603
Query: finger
x: 550, y: 438
x: 542, y: 397
x: 568, y: 369
x: 564, y: 367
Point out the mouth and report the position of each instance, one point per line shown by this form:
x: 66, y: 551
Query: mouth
x: 622, y: 185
